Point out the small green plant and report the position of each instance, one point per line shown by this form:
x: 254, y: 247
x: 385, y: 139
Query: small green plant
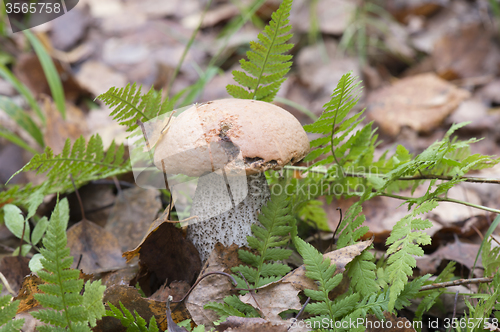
x: 66, y: 307
x: 266, y: 65
x: 8, y: 310
x: 133, y: 322
x: 268, y: 240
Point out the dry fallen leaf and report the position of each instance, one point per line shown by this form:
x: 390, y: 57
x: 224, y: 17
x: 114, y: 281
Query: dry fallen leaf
x: 58, y: 130
x: 165, y: 253
x: 14, y: 269
x: 458, y: 251
x: 421, y: 102
x: 273, y: 300
x: 98, y: 248
x: 213, y: 288
x: 465, y: 52
x: 131, y: 215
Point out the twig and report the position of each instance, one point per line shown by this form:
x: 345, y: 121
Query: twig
x: 251, y: 294
x: 407, y: 178
x: 299, y: 313
x: 198, y: 281
x: 456, y: 283
x: 7, y: 285
x: 78, y: 197
x: 454, y: 309
x: 340, y: 221
x: 444, y: 199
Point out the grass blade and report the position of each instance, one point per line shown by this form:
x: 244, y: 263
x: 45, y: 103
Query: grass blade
x: 22, y: 89
x: 16, y: 140
x: 17, y: 114
x: 50, y: 72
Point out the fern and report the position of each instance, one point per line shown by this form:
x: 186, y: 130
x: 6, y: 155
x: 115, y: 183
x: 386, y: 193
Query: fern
x: 322, y: 271
x: 361, y: 271
x: 68, y: 309
x: 267, y: 63
x: 85, y: 162
x: 491, y: 259
x: 404, y: 243
x: 277, y: 224
x: 344, y: 98
x: 130, y: 105
x: 232, y: 306
x: 8, y: 311
x: 133, y: 323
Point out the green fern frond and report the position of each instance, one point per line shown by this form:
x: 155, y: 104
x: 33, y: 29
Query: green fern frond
x: 361, y: 271
x: 61, y: 292
x: 350, y: 227
x: 344, y: 98
x: 277, y: 224
x: 85, y: 162
x: 133, y: 322
x: 8, y: 311
x: 320, y: 270
x: 130, y: 105
x: 404, y: 242
x: 491, y: 259
x: 267, y: 64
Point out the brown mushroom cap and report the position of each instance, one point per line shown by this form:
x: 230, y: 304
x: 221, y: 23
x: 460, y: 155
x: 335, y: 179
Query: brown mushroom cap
x: 248, y: 134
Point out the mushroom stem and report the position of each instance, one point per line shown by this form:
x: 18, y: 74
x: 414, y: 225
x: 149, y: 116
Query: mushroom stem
x: 226, y: 207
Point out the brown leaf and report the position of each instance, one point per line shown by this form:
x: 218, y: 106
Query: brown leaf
x: 30, y: 72
x: 465, y: 52
x: 458, y: 251
x: 99, y: 249
x: 58, y: 130
x: 98, y: 78
x: 420, y: 102
x: 215, y: 287
x: 165, y: 253
x: 273, y: 300
x: 14, y: 269
x: 145, y: 307
x: 28, y: 288
x: 120, y: 277
x: 176, y: 289
x: 339, y: 257
x: 132, y: 214
x: 390, y: 324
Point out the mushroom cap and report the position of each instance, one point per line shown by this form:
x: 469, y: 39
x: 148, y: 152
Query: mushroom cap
x: 234, y: 134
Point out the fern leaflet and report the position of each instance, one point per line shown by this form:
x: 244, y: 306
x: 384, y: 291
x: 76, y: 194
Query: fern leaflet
x: 85, y: 162
x: 8, y: 310
x: 404, y: 243
x: 267, y: 63
x: 61, y: 293
x: 277, y: 224
x: 320, y: 270
x: 133, y: 323
x: 129, y: 105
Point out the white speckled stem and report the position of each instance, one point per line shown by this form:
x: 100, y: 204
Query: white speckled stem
x: 233, y: 225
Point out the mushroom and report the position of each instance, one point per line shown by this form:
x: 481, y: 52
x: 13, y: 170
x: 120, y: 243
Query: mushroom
x: 229, y: 144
